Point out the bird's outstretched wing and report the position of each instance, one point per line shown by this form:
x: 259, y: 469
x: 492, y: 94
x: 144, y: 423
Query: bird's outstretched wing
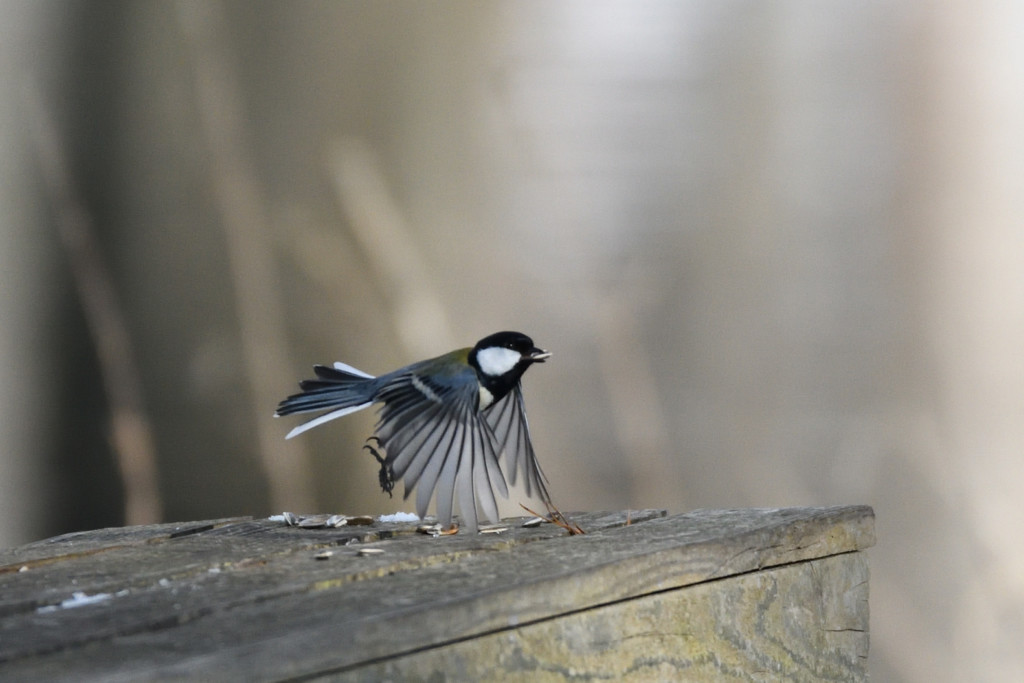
x: 507, y: 419
x: 436, y: 438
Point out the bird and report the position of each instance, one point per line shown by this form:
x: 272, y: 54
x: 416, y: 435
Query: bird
x: 445, y: 424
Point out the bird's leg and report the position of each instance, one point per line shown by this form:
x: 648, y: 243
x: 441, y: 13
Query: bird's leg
x: 385, y: 476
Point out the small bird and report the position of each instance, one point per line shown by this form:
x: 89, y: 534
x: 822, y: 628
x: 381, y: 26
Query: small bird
x: 445, y: 424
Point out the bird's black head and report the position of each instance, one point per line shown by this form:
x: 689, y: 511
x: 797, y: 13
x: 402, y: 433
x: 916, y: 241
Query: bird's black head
x: 501, y: 359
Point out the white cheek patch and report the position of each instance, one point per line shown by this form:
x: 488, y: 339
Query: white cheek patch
x: 496, y: 361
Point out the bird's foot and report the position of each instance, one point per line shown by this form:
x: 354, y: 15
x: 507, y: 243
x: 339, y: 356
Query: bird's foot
x: 385, y: 476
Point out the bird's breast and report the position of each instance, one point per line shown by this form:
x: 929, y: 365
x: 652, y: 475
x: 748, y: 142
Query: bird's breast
x: 486, y: 398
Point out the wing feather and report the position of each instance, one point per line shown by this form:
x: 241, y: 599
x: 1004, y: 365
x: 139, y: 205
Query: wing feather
x: 445, y: 495
x: 507, y: 419
x: 439, y: 443
x: 466, y: 464
x: 484, y: 466
x: 433, y: 461
x: 420, y: 436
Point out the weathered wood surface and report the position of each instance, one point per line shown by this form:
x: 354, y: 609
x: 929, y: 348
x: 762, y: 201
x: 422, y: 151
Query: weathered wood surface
x: 707, y: 595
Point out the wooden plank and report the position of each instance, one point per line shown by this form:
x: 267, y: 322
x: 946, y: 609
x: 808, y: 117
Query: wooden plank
x: 247, y: 599
x: 806, y: 621
x: 164, y: 575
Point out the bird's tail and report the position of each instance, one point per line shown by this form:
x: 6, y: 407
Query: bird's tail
x: 342, y: 389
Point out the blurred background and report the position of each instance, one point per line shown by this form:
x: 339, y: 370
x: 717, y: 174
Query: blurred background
x: 777, y: 250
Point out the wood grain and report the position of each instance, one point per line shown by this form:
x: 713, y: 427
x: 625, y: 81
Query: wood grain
x: 239, y: 598
x: 798, y: 622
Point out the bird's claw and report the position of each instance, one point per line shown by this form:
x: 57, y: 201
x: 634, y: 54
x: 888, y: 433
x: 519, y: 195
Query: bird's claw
x: 385, y: 476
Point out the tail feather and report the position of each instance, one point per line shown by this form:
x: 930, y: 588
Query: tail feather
x: 341, y: 387
x: 320, y: 386
x: 348, y: 369
x: 330, y: 380
x: 333, y: 415
x: 309, y: 403
x: 340, y: 373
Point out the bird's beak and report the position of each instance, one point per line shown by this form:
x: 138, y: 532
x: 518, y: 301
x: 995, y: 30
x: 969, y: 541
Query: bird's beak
x: 539, y: 355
